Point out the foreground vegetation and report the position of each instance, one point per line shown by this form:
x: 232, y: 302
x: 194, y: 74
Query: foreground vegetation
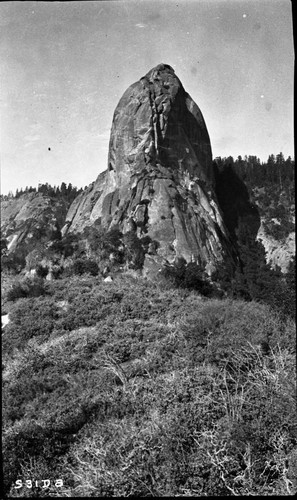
x: 185, y: 386
x: 139, y: 388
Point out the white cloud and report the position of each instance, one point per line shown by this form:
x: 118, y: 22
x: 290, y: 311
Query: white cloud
x: 32, y: 138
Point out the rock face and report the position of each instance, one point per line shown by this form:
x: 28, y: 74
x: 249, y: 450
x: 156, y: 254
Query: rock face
x: 159, y: 181
x: 278, y: 253
x: 27, y: 219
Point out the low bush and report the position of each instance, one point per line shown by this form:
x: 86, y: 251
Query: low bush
x: 42, y: 271
x: 129, y: 388
x: 189, y: 275
x: 27, y: 447
x: 82, y: 266
x: 134, y: 250
x: 28, y: 287
x: 29, y: 318
x: 194, y: 432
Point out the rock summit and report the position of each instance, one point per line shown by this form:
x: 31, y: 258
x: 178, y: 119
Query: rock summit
x: 159, y: 180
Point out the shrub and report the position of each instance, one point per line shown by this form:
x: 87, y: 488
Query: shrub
x: 103, y: 243
x: 27, y: 287
x: 68, y: 245
x: 82, y: 266
x: 15, y: 261
x: 29, y: 318
x: 175, y: 273
x: 42, y: 271
x: 134, y: 251
x: 31, y: 440
x: 188, y: 275
x: 193, y: 431
x: 140, y: 390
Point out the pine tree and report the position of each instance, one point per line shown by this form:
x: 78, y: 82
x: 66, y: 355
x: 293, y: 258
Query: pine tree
x: 133, y: 249
x: 280, y: 161
x: 63, y: 190
x: 256, y: 280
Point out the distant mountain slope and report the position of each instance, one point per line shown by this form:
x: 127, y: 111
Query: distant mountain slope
x: 261, y: 196
x: 32, y: 220
x: 277, y: 229
x: 278, y: 253
x: 31, y: 217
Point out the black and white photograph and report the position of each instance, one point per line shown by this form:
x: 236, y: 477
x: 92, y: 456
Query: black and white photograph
x: 148, y: 296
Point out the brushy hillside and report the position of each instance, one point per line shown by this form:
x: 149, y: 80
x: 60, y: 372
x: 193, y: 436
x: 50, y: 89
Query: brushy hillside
x: 247, y: 189
x: 137, y: 388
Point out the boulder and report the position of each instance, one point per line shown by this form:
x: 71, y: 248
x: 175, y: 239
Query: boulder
x: 108, y: 279
x: 4, y: 320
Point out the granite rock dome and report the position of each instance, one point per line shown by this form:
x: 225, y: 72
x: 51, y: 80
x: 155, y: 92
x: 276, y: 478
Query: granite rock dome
x: 159, y: 181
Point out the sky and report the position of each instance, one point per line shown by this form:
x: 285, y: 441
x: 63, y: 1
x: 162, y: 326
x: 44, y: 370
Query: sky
x: 65, y: 65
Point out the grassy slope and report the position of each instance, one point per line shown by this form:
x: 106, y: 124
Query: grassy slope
x: 133, y: 388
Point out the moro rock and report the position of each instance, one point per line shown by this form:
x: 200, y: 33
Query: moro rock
x: 159, y: 181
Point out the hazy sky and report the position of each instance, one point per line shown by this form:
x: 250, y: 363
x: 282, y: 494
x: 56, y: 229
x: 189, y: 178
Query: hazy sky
x: 65, y: 65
